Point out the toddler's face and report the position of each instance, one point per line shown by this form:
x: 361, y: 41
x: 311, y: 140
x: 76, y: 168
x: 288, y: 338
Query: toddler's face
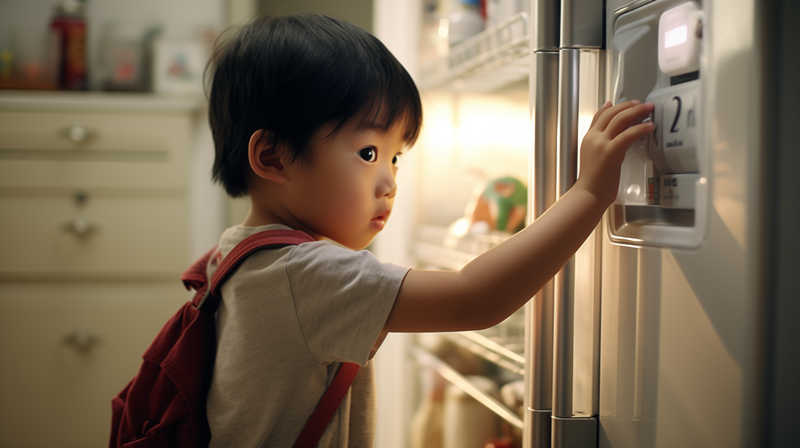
x: 347, y: 192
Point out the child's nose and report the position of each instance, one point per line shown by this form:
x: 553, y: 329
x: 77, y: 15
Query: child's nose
x: 387, y: 186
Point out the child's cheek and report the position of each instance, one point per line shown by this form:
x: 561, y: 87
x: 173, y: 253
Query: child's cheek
x: 340, y: 206
x: 353, y: 204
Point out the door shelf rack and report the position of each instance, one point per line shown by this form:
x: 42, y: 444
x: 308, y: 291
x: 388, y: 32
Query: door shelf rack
x: 431, y: 361
x: 497, y: 350
x: 491, y: 59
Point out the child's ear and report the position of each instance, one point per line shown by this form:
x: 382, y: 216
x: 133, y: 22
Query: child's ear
x: 265, y: 158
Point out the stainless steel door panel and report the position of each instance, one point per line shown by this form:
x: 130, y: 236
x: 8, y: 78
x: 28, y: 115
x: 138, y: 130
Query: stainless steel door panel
x: 630, y: 332
x: 680, y: 327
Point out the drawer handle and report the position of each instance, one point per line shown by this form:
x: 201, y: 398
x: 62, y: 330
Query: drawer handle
x: 80, y: 227
x: 78, y: 134
x: 81, y: 338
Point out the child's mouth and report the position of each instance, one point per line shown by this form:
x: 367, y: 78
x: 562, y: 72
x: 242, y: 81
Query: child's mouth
x: 380, y: 221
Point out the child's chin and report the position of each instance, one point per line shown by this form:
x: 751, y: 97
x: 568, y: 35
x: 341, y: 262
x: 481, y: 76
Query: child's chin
x: 362, y: 243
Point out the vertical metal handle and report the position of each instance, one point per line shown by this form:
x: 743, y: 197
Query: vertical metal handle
x: 547, y: 24
x: 582, y: 23
x: 539, y: 311
x: 568, y: 95
x: 544, y: 181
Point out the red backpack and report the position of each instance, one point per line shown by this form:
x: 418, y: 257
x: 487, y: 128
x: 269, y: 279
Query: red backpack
x: 164, y: 405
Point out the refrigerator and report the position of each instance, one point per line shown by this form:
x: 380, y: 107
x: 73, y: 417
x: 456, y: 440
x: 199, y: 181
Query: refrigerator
x: 658, y: 332
x: 673, y: 325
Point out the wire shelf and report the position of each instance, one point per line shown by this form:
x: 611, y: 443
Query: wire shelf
x: 487, y: 61
x: 430, y: 360
x: 490, y: 350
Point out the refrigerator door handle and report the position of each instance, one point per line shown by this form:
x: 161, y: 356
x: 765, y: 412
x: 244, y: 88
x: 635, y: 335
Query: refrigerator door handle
x: 539, y: 311
x: 579, y: 25
x: 568, y: 95
x: 567, y: 430
x: 547, y: 28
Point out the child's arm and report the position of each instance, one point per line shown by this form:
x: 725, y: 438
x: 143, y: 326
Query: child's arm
x: 494, y: 285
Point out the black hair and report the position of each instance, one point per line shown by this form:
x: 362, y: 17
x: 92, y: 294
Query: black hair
x: 293, y: 74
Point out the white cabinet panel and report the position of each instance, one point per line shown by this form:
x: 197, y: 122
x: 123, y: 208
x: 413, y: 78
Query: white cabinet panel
x: 67, y: 350
x: 122, y: 237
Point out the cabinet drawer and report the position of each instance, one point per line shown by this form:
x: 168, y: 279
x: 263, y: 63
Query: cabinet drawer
x: 93, y: 150
x: 64, y: 359
x: 106, y: 238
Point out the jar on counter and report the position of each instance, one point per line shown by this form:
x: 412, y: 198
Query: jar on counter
x: 69, y: 26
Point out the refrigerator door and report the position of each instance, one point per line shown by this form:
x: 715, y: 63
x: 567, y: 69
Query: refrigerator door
x: 680, y: 321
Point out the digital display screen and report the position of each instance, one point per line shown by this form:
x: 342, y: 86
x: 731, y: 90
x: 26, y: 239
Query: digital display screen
x: 675, y: 36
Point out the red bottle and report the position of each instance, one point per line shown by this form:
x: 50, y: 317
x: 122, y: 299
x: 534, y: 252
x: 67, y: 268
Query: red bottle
x: 69, y: 25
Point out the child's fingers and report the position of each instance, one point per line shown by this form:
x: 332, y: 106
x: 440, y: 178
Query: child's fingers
x: 624, y: 140
x: 600, y: 112
x: 625, y: 118
x: 607, y: 115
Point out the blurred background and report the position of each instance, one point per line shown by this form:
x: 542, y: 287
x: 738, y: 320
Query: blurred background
x: 105, y: 198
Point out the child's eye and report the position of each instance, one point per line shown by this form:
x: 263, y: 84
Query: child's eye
x: 368, y: 154
x: 396, y: 158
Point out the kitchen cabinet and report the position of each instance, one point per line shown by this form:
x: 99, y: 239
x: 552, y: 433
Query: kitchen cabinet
x: 95, y: 230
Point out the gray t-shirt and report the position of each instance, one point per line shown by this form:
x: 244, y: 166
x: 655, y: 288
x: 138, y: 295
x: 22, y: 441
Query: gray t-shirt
x: 287, y: 319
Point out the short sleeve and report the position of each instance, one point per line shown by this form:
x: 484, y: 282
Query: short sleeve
x: 343, y: 298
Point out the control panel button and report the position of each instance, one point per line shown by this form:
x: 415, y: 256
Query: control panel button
x: 673, y: 147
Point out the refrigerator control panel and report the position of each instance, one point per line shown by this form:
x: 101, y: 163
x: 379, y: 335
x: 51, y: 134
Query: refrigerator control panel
x: 656, y: 56
x: 673, y: 144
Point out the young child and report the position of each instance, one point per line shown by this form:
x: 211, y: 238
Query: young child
x: 309, y: 115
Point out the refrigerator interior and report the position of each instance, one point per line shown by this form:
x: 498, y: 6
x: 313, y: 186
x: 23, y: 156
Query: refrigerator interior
x: 473, y: 149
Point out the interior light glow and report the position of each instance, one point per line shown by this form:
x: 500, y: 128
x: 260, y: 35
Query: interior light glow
x: 444, y: 28
x: 675, y: 36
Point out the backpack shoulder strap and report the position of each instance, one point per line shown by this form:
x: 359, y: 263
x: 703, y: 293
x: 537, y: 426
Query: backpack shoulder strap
x: 258, y: 241
x: 327, y: 406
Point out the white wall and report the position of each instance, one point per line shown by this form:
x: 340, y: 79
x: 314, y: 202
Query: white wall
x: 397, y: 24
x: 359, y: 12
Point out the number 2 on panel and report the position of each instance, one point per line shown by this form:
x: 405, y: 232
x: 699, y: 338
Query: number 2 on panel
x: 677, y: 115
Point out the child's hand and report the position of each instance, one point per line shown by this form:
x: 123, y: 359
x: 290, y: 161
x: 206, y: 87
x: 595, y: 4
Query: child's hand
x: 605, y: 144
